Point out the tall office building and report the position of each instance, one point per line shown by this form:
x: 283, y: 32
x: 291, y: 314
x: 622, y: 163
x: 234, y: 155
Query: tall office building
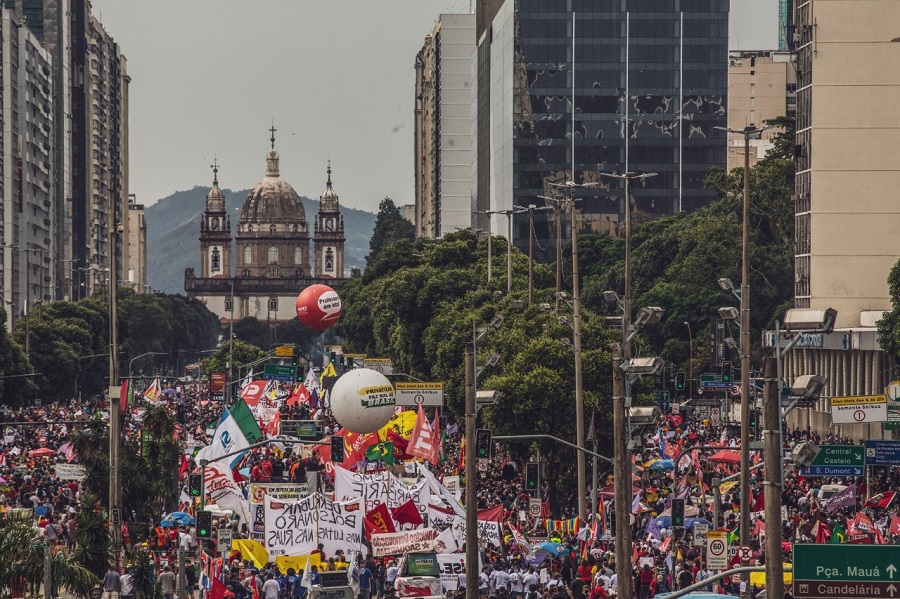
x: 649, y: 87
x: 443, y: 127
x: 762, y: 85
x: 99, y: 158
x: 847, y: 215
x: 89, y: 141
x: 28, y: 226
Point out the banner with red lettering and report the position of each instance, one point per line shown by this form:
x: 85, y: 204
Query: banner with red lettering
x: 406, y: 541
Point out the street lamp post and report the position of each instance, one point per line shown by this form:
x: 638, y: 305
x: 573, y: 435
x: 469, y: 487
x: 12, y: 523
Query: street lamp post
x: 115, y: 421
x: 620, y: 432
x: 748, y: 132
x: 690, y: 360
x: 472, y: 573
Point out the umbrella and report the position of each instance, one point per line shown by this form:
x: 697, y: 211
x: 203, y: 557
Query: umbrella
x: 169, y: 391
x: 689, y: 522
x: 663, y: 465
x: 175, y: 518
x: 42, y: 452
x: 554, y: 549
x: 726, y: 456
x: 245, y: 472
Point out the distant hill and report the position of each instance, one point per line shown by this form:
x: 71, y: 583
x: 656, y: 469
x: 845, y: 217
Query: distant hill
x: 173, y: 231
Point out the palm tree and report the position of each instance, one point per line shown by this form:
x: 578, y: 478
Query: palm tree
x: 92, y: 546
x: 143, y: 571
x: 22, y: 555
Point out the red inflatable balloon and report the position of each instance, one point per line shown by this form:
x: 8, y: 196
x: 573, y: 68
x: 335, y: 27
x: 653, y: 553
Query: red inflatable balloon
x: 319, y: 307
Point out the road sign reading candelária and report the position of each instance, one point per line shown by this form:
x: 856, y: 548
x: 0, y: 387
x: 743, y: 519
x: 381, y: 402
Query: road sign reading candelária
x: 859, y: 571
x: 717, y: 549
x: 859, y: 409
x: 419, y: 394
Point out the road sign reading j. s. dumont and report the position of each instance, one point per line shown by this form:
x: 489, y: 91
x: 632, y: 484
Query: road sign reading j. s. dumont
x: 859, y: 571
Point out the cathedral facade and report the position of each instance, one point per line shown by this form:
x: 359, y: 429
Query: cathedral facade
x: 261, y: 269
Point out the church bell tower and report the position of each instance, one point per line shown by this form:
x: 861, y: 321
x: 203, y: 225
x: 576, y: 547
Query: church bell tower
x: 215, y: 233
x: 328, y: 237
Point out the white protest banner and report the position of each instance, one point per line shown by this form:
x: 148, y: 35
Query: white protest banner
x: 374, y: 488
x: 452, y: 485
x: 446, y: 542
x: 407, y: 541
x: 452, y: 565
x: 279, y: 491
x: 380, y: 487
x: 488, y: 530
x: 438, y: 518
x: 340, y: 525
x: 290, y: 526
x: 296, y: 527
x: 70, y: 471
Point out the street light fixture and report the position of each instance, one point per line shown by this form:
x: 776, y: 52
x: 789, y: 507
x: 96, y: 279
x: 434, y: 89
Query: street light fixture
x: 648, y: 315
x: 729, y: 313
x: 810, y: 321
x: 808, y: 388
x: 545, y: 307
x: 643, y: 366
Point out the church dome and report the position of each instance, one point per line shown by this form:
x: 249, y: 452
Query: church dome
x: 273, y: 200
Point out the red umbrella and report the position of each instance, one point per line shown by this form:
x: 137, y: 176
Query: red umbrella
x: 42, y: 452
x: 729, y: 457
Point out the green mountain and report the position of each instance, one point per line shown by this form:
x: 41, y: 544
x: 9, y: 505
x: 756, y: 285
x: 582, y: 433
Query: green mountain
x: 173, y: 231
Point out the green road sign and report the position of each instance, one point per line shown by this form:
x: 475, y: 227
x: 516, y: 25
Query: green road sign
x: 661, y: 396
x: 893, y: 421
x: 710, y: 378
x: 841, y: 570
x: 837, y: 460
x: 279, y: 372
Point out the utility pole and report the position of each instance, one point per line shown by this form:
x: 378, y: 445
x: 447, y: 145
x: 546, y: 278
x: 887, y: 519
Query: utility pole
x: 530, y: 209
x: 579, y: 385
x: 745, y: 363
x: 115, y: 417
x: 472, y: 573
x: 622, y: 470
x: 228, y: 388
x: 773, y: 480
x: 592, y: 437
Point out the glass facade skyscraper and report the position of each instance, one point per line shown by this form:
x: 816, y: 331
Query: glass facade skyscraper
x: 650, y: 86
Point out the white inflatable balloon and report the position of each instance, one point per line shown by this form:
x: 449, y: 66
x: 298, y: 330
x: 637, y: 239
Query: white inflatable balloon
x: 362, y: 400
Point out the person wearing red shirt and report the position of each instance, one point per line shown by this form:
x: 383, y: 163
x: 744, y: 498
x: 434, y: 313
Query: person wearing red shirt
x: 584, y: 571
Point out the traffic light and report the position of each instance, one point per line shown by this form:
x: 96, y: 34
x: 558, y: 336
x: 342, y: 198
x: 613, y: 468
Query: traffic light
x: 195, y: 485
x: 204, y: 524
x: 332, y: 356
x: 677, y: 512
x: 532, y: 477
x: 483, y: 443
x: 295, y: 362
x: 727, y: 372
x: 679, y: 381
x: 350, y: 362
x: 337, y: 449
x: 341, y: 360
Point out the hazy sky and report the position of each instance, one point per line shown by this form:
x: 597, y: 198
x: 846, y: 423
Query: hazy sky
x: 209, y: 76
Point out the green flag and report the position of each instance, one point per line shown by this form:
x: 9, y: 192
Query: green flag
x: 241, y: 413
x: 837, y: 533
x: 733, y: 536
x: 381, y: 451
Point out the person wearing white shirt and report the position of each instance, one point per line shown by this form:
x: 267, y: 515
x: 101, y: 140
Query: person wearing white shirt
x: 613, y: 582
x: 530, y: 578
x: 515, y: 584
x: 499, y: 580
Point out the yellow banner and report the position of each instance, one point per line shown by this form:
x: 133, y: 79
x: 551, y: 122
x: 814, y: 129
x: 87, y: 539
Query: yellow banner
x: 858, y: 399
x: 402, y: 424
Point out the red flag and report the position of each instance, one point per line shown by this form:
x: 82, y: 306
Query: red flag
x: 881, y: 501
x: 301, y: 394
x: 123, y: 395
x: 217, y: 591
x: 272, y: 425
x: 355, y: 446
x: 253, y: 392
x: 493, y: 514
x: 759, y: 504
x: 422, y: 443
x: 380, y: 521
x: 400, y: 445
x: 407, y: 513
x: 821, y: 533
x: 895, y: 525
x: 184, y: 466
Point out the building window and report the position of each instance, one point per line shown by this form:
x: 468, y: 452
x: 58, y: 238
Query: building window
x: 248, y: 254
x: 298, y: 255
x: 273, y: 254
x: 229, y: 304
x: 215, y: 260
x: 271, y: 228
x: 329, y: 260
x: 273, y: 304
x: 245, y: 272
